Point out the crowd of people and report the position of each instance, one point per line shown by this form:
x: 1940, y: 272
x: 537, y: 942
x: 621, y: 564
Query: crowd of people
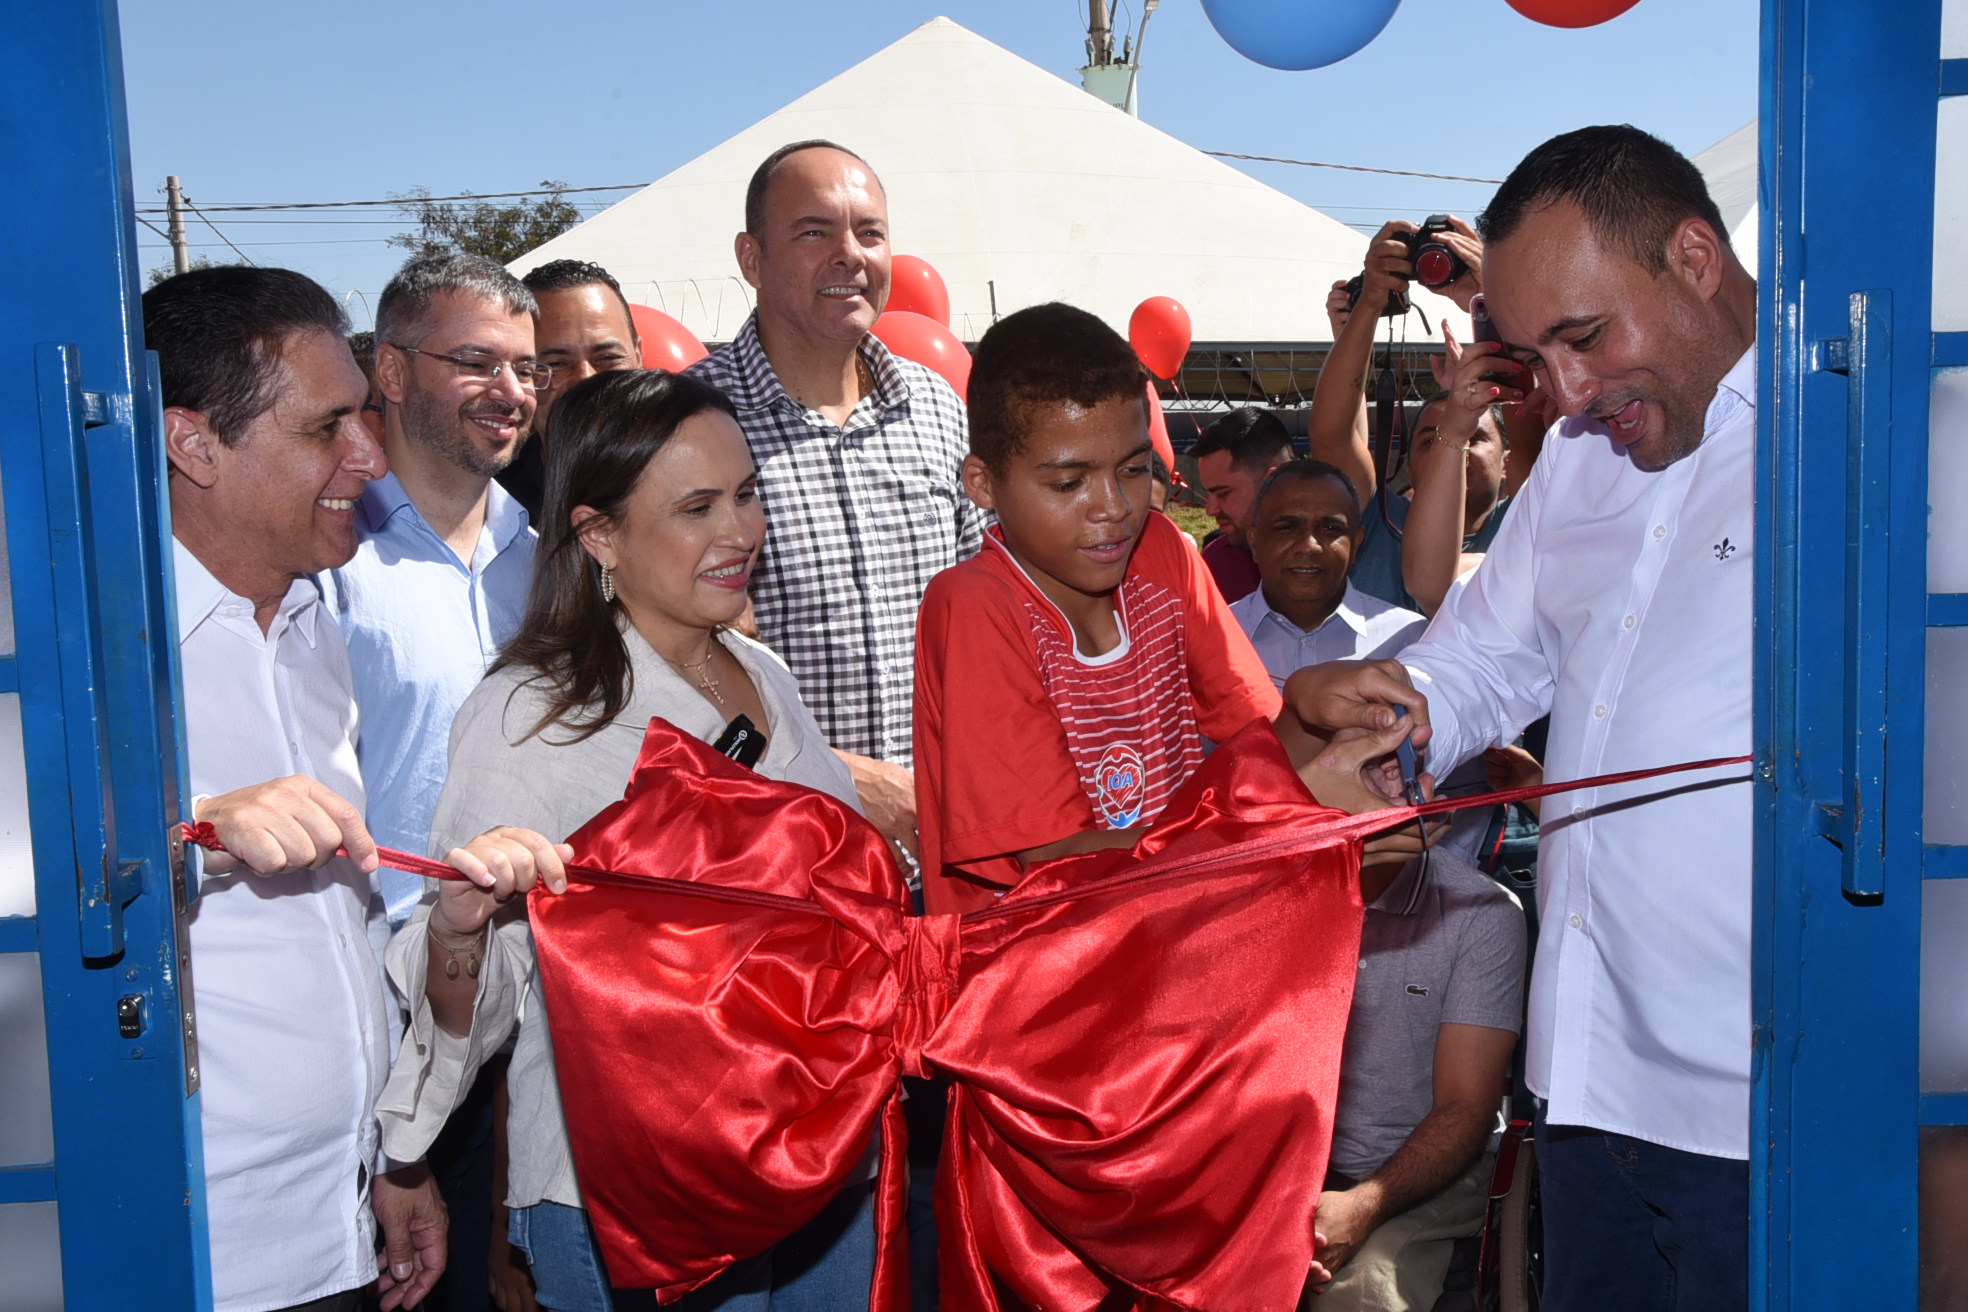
x: 432, y: 590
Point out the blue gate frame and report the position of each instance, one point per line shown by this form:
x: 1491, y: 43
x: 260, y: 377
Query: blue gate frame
x: 1848, y: 131
x: 88, y: 541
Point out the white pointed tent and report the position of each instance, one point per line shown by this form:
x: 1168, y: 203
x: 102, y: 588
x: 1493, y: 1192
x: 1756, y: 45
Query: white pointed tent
x: 1729, y: 167
x: 1017, y: 186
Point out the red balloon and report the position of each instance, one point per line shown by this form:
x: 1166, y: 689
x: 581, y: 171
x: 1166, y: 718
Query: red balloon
x: 1158, y: 429
x: 915, y: 287
x: 1571, y: 13
x: 1159, y: 332
x: 920, y: 338
x: 666, y: 343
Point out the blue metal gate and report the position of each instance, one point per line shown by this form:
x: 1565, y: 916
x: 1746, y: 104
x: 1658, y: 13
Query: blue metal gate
x: 100, y: 1200
x: 1859, y: 655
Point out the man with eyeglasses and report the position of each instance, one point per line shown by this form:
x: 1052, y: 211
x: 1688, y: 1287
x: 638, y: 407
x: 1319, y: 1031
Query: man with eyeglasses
x: 438, y: 582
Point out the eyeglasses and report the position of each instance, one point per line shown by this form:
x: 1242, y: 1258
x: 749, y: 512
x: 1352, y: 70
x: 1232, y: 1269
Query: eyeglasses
x: 486, y: 369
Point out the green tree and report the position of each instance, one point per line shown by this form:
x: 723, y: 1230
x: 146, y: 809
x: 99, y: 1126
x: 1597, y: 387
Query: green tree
x: 167, y: 269
x: 501, y: 232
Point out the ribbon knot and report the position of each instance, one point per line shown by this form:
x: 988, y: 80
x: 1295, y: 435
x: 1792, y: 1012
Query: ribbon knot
x: 927, y: 975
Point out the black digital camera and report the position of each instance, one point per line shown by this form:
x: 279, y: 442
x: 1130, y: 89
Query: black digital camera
x: 1435, y: 265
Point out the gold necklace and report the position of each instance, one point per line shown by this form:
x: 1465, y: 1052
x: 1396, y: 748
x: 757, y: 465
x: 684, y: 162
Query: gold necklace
x: 705, y: 679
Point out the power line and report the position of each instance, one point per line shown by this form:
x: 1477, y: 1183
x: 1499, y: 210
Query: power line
x: 215, y: 230
x: 1352, y: 168
x: 406, y: 202
x: 411, y: 201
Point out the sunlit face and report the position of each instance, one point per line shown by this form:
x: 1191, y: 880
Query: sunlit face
x: 689, y: 532
x: 1639, y: 353
x: 286, y: 488
x: 1229, y: 493
x: 1304, y: 536
x: 1072, y: 502
x: 475, y: 425
x: 821, y: 265
x: 582, y: 331
x: 1485, y: 457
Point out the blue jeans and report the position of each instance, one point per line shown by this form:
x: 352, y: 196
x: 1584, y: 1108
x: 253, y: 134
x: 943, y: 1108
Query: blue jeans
x: 826, y: 1266
x: 1631, y: 1226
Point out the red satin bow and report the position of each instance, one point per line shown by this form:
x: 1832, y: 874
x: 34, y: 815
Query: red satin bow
x: 1143, y: 1044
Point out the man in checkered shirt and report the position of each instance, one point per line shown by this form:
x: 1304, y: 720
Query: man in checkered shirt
x: 858, y: 453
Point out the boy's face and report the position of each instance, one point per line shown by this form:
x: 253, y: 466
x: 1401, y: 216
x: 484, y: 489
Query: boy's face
x: 1071, y: 503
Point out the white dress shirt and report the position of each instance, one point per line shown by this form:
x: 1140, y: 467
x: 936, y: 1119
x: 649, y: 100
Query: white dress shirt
x: 1361, y: 628
x: 1620, y: 602
x: 501, y: 775
x: 293, y: 1035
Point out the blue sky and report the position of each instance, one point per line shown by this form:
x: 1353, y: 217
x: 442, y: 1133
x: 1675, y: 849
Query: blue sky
x: 362, y: 99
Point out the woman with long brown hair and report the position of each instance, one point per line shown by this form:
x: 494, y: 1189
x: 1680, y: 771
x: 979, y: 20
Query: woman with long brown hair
x: 651, y: 527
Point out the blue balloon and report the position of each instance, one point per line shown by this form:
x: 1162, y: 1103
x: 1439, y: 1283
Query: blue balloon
x: 1298, y: 34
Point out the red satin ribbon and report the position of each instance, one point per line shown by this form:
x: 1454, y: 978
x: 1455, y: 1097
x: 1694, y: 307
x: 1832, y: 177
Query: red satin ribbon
x: 1143, y: 1045
x: 203, y: 834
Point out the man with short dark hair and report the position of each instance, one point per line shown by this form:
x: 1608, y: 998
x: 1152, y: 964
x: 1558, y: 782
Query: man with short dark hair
x: 858, y: 452
x: 1617, y: 599
x: 268, y: 457
x: 1233, y: 455
x: 1304, y: 529
x: 583, y: 328
x: 444, y: 557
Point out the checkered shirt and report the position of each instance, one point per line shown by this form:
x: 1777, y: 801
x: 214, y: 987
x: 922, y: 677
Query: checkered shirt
x: 859, y: 519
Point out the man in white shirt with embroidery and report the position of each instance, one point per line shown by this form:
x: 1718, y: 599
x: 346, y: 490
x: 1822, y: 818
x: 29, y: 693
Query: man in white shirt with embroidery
x: 268, y: 456
x: 1617, y: 598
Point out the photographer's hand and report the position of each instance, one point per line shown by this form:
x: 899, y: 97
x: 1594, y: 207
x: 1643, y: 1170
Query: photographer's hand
x: 1338, y: 311
x: 1468, y: 247
x: 1389, y: 265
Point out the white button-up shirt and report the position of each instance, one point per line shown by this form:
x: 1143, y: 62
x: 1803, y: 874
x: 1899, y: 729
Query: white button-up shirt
x: 286, y: 969
x: 1620, y: 602
x: 1361, y: 628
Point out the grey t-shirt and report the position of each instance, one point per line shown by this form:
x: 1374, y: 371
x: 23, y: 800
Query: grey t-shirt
x: 1444, y: 945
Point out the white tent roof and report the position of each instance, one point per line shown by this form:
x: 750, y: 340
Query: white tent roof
x: 1014, y: 183
x: 1729, y: 167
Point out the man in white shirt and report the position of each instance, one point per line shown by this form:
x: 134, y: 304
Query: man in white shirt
x: 1304, y: 532
x: 268, y: 457
x: 1617, y: 598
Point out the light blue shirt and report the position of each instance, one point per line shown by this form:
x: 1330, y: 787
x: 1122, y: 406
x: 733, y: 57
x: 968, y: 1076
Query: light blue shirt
x: 422, y: 627
x: 1361, y: 628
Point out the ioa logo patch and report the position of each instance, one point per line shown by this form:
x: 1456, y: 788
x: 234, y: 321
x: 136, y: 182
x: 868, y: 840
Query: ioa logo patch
x: 1120, y: 786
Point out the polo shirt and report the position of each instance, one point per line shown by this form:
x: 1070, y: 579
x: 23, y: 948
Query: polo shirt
x: 1443, y: 945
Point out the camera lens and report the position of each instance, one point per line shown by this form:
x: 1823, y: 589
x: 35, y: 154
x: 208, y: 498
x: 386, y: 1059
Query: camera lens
x: 1435, y: 266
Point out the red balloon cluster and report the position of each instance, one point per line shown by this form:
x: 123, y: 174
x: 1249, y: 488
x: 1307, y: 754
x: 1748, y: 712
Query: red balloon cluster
x: 1571, y: 13
x: 1159, y: 332
x: 915, y: 287
x: 920, y: 338
x: 666, y: 343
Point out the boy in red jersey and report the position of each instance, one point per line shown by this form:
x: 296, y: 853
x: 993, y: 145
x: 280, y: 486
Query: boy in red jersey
x: 1067, y: 675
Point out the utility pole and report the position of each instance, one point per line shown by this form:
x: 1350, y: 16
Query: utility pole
x: 1100, y: 34
x: 1108, y: 75
x: 174, y: 204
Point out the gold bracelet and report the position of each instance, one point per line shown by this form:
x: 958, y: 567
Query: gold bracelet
x: 471, y: 947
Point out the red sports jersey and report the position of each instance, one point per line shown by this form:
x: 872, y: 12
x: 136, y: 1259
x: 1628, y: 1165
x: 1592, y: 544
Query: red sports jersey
x: 1022, y: 741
